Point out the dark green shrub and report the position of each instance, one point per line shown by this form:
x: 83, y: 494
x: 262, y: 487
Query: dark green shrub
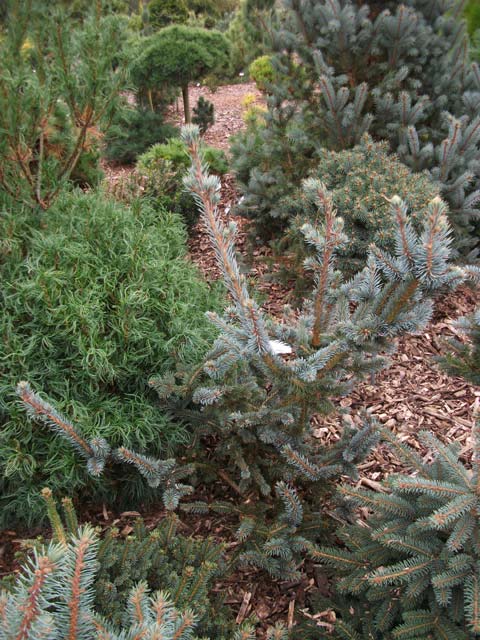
x: 161, y: 13
x: 203, y: 114
x: 96, y: 296
x: 87, y: 172
x: 132, y: 132
x: 57, y: 590
x: 163, y: 168
x: 362, y: 182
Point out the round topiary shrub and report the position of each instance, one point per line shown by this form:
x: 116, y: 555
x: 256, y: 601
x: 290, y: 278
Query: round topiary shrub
x: 178, y: 55
x: 96, y: 298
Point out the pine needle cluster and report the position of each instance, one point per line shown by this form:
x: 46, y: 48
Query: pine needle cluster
x: 59, y: 82
x: 161, y: 557
x: 61, y: 591
x: 54, y: 598
x: 412, y: 571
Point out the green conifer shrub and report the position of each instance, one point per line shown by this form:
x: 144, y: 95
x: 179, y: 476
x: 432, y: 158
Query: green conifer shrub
x: 132, y: 132
x: 464, y: 357
x: 60, y: 589
x: 400, y: 71
x: 262, y: 72
x: 163, y: 168
x: 361, y: 182
x: 178, y: 55
x: 162, y: 558
x: 161, y: 13
x: 59, y: 82
x: 255, y: 404
x: 54, y: 598
x: 413, y: 570
x: 203, y: 114
x: 94, y: 297
x: 250, y: 32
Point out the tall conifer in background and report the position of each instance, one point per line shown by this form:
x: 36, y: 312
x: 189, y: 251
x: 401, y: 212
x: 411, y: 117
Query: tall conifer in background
x: 400, y: 71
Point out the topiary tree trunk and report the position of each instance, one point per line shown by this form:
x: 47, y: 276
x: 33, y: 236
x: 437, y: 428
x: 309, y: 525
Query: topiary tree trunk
x: 186, y: 103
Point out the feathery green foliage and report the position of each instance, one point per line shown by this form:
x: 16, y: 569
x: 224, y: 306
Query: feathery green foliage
x: 344, y: 67
x: 257, y: 404
x: 59, y: 81
x: 472, y: 14
x: 94, y: 297
x: 413, y: 571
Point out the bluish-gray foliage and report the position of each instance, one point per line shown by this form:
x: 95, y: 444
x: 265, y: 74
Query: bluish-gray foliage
x: 264, y: 378
x: 400, y: 71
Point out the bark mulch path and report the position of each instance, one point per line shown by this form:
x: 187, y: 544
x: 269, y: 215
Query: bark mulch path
x: 228, y: 108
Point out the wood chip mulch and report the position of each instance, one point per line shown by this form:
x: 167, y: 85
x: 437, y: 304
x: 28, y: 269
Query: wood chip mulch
x: 228, y: 109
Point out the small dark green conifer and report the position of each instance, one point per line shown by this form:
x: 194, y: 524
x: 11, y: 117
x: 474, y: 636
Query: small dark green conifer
x: 203, y: 114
